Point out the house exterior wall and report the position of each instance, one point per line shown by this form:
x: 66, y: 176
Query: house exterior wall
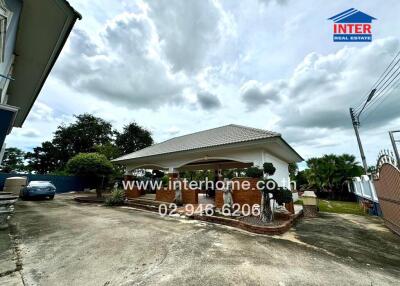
x: 15, y: 7
x: 256, y: 156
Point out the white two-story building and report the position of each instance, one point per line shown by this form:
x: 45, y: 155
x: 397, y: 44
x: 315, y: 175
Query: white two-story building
x: 32, y: 35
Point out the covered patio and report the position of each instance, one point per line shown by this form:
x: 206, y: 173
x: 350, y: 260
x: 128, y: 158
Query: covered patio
x: 218, y: 149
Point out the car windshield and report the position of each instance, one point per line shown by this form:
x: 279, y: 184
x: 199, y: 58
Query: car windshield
x: 39, y: 184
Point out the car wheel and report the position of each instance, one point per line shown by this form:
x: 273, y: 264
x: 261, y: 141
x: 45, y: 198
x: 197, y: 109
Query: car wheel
x: 51, y: 197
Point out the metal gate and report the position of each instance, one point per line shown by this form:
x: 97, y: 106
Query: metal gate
x: 387, y: 184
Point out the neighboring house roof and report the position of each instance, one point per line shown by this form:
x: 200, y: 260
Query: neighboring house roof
x: 352, y: 16
x: 43, y: 29
x: 225, y: 135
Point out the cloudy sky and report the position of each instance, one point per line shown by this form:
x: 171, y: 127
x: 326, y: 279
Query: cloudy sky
x: 178, y: 66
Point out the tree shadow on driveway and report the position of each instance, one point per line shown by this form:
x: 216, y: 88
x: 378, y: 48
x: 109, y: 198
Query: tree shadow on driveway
x: 360, y: 239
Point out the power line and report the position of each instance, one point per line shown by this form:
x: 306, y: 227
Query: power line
x: 382, y: 99
x: 381, y: 89
x: 398, y: 53
x: 382, y: 92
x: 379, y: 80
x: 378, y: 92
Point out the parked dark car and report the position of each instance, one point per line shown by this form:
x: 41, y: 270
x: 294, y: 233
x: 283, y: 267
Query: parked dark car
x: 38, y: 189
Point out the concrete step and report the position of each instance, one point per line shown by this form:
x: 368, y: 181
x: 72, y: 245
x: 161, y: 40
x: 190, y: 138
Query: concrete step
x: 147, y: 202
x: 150, y: 206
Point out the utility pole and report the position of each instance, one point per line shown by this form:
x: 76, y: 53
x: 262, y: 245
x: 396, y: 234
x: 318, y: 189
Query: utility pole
x: 356, y: 125
x: 396, y: 152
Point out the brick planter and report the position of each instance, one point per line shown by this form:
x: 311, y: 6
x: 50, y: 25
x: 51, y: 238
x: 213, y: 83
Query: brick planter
x: 251, y: 196
x: 168, y: 196
x: 290, y: 207
x: 134, y: 193
x: 260, y: 229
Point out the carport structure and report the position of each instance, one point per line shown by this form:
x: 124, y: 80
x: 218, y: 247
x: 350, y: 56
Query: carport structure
x: 226, y: 147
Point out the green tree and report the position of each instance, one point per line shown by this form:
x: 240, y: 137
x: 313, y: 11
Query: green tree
x: 133, y: 138
x: 329, y: 172
x: 81, y: 136
x: 293, y: 170
x: 91, y: 165
x: 301, y: 179
x: 87, y: 134
x: 43, y: 159
x: 109, y: 150
x: 13, y: 161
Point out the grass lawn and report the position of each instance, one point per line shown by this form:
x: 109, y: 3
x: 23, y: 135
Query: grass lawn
x: 338, y: 207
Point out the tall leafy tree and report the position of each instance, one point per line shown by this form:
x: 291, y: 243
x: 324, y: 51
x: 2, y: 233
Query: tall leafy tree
x: 82, y: 136
x: 329, y: 172
x: 132, y: 138
x: 86, y: 135
x: 13, y: 160
x: 109, y: 150
x: 44, y: 159
x: 293, y: 170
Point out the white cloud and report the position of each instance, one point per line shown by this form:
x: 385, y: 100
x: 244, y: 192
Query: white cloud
x: 323, y: 87
x: 164, y: 63
x: 173, y: 131
x: 27, y: 132
x: 127, y: 68
x: 41, y: 112
x: 187, y: 29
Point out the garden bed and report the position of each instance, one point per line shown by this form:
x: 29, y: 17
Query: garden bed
x: 251, y: 223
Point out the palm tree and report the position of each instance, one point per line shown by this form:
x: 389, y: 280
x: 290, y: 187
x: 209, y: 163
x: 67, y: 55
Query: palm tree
x: 329, y: 172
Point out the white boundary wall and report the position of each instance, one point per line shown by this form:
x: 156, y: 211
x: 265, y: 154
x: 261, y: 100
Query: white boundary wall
x: 364, y: 188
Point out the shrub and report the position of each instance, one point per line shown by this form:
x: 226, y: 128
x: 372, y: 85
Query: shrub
x: 91, y: 165
x: 254, y: 172
x: 116, y: 199
x: 269, y: 169
x: 282, y: 196
x: 165, y: 181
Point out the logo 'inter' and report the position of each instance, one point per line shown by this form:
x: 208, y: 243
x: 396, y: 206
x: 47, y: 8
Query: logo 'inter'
x: 352, y: 26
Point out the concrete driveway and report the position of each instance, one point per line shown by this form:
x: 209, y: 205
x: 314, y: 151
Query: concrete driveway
x: 61, y: 242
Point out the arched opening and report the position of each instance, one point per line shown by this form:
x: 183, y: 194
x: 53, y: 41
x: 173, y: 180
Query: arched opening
x: 206, y: 172
x: 203, y: 172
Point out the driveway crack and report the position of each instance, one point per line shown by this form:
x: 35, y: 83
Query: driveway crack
x: 16, y: 241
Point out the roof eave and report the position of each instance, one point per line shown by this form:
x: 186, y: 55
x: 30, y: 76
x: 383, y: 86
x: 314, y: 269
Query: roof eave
x: 71, y: 16
x: 300, y: 159
x: 123, y: 161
